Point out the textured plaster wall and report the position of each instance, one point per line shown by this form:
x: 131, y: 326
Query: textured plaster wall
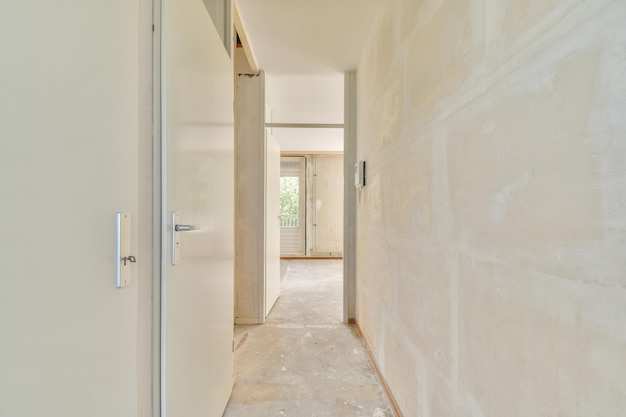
x: 491, y: 235
x: 328, y: 205
x: 249, y: 200
x: 324, y: 205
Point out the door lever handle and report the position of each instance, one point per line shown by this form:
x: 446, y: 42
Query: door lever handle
x: 175, y: 238
x: 184, y: 227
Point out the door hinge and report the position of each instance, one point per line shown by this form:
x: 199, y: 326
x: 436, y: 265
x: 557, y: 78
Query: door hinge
x: 153, y: 28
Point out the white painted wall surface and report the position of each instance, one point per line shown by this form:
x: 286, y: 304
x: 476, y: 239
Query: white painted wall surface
x: 491, y: 231
x: 272, y: 222
x: 220, y: 13
x: 69, y: 132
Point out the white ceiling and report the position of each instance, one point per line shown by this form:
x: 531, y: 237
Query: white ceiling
x: 306, y: 99
x: 307, y: 36
x: 305, y: 47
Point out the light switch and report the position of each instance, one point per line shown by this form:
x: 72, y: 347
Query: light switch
x: 123, y: 254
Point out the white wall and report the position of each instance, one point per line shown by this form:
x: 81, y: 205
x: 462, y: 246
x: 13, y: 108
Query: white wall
x: 491, y: 229
x: 309, y: 140
x: 220, y: 12
x: 74, y: 110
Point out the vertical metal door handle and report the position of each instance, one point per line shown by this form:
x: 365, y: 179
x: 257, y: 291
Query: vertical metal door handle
x: 175, y: 241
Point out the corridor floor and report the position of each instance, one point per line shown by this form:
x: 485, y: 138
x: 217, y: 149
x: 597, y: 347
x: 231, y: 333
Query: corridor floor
x: 304, y: 362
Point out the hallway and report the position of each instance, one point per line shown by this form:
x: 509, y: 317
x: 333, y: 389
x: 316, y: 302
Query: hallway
x: 304, y: 361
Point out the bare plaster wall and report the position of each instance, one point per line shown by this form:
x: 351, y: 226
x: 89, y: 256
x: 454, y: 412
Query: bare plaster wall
x: 491, y: 274
x: 328, y: 205
x: 250, y: 199
x: 324, y: 205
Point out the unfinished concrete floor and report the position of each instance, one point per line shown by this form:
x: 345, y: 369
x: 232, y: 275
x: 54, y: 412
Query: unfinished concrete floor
x: 304, y: 361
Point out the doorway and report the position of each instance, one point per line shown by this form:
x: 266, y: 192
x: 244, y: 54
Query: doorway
x: 262, y: 103
x: 312, y: 188
x: 292, y: 207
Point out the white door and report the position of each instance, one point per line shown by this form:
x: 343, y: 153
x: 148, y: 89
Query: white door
x: 198, y: 181
x: 272, y: 221
x: 68, y: 163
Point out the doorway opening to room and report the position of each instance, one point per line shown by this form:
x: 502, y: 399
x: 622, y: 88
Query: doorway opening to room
x: 311, y: 201
x: 302, y: 118
x: 309, y: 119
x: 292, y: 211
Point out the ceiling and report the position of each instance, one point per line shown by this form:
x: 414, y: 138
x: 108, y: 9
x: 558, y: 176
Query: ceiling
x: 306, y: 99
x: 305, y: 47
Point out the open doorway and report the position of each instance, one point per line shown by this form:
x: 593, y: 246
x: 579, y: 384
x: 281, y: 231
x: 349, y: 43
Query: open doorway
x: 292, y: 206
x: 307, y: 116
x: 312, y: 206
x: 312, y: 138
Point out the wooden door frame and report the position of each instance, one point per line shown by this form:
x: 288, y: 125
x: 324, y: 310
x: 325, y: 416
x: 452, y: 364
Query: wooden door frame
x: 349, y: 199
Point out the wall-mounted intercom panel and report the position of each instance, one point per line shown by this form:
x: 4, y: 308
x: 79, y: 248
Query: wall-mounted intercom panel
x: 359, y: 174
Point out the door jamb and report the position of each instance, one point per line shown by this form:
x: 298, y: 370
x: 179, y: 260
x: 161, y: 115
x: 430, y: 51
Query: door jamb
x: 157, y: 214
x: 349, y: 202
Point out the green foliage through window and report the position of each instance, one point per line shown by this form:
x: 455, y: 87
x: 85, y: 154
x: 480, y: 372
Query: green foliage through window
x: 289, y: 195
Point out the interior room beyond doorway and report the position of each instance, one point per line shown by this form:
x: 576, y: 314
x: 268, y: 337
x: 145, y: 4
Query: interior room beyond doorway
x: 311, y: 205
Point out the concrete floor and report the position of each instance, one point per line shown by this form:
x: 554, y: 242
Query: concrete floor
x: 304, y: 361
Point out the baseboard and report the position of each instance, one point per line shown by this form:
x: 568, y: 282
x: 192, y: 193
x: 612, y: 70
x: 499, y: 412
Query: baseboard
x: 246, y: 320
x: 310, y: 258
x: 381, y: 378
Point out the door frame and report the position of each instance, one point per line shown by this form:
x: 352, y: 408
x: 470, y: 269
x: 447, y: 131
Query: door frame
x: 349, y: 198
x: 157, y: 216
x: 268, y: 220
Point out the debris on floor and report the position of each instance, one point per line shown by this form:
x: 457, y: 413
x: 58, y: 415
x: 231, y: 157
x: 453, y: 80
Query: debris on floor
x: 305, y: 362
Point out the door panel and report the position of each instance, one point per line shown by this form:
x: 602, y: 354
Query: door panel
x: 197, y: 305
x: 68, y: 163
x: 272, y: 222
